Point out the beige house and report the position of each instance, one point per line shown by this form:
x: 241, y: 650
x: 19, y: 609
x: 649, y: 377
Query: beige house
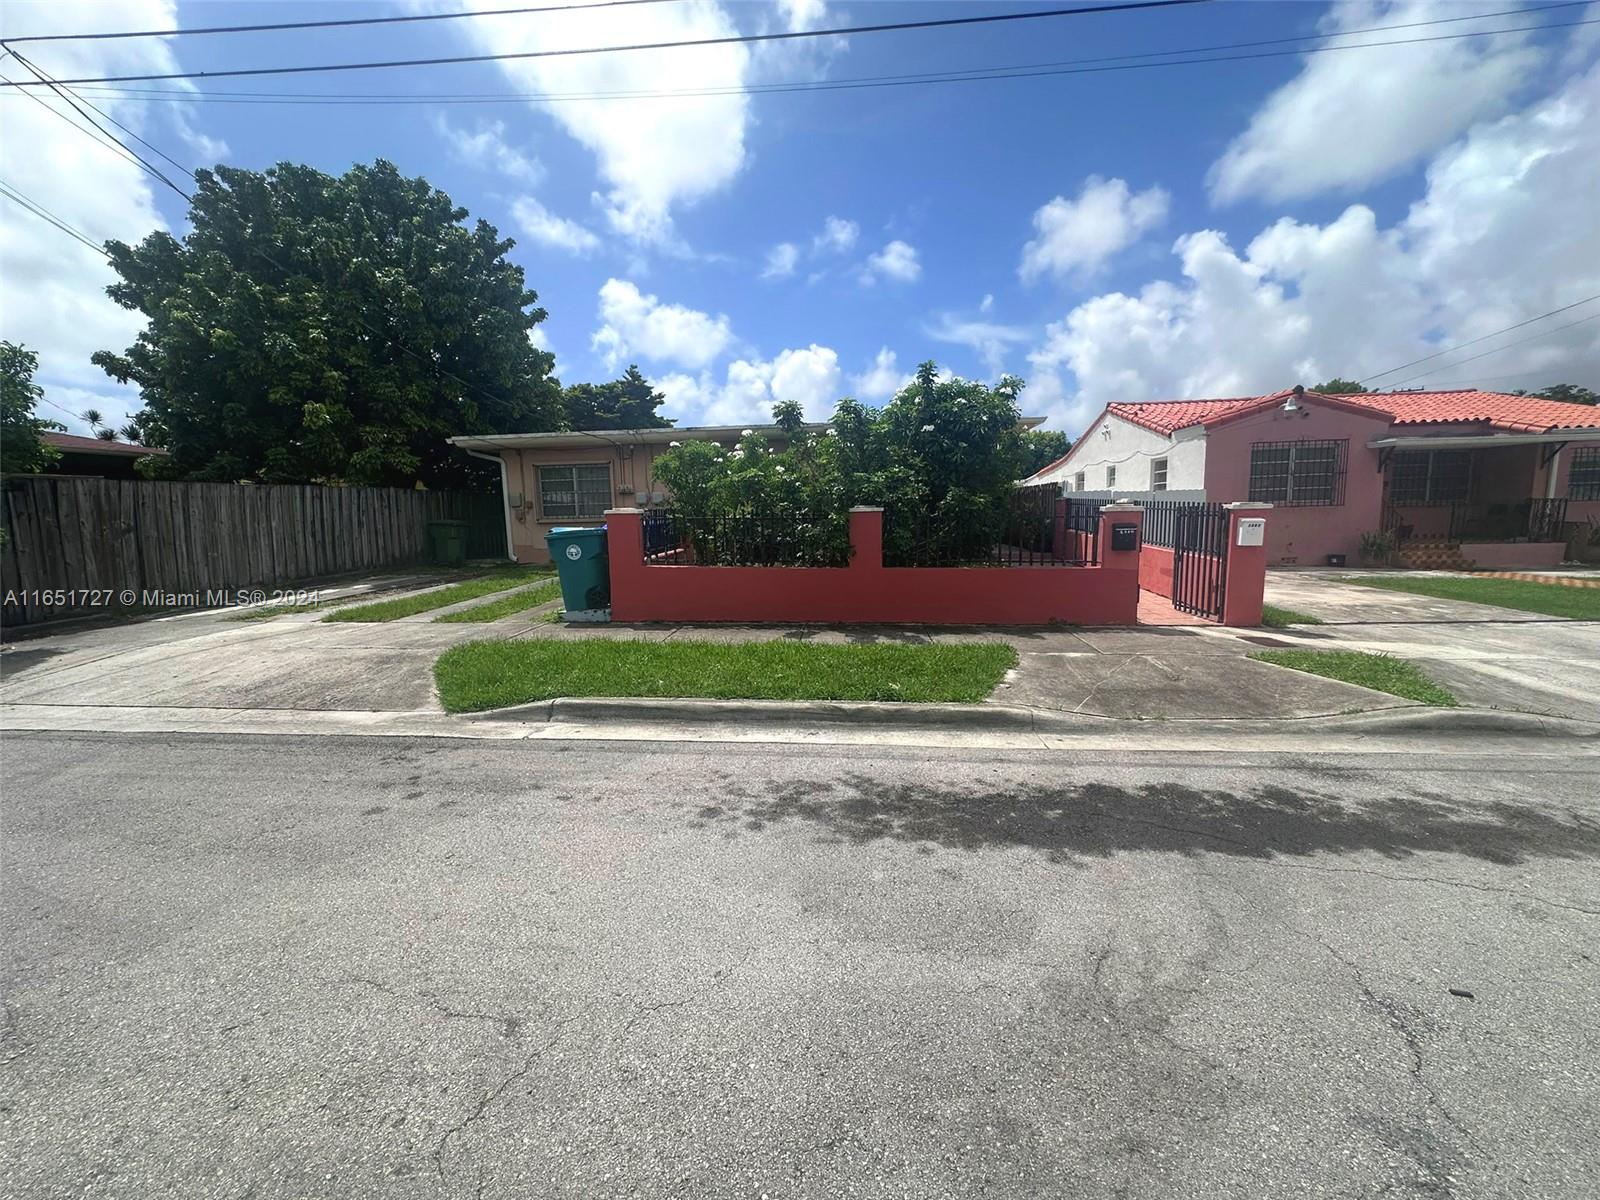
x: 555, y: 479
x: 571, y: 478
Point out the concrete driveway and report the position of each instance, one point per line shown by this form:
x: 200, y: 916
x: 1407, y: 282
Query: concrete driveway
x: 1489, y: 657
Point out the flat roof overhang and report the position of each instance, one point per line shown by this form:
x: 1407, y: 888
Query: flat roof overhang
x: 577, y: 439
x: 1478, y: 441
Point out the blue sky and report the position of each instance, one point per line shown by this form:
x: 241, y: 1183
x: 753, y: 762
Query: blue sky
x: 1219, y: 229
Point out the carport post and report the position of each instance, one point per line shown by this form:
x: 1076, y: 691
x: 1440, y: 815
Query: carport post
x: 1245, y: 588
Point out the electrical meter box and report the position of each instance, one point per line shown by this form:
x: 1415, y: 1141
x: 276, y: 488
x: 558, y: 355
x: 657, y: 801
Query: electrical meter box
x: 1252, y: 531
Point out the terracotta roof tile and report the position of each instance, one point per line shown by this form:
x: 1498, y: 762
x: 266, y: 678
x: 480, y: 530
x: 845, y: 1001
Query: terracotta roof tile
x: 78, y: 444
x: 1513, y: 414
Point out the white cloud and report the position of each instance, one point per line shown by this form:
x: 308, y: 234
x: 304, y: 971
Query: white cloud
x: 896, y: 261
x: 544, y: 227
x: 1076, y: 237
x: 882, y: 379
x: 654, y: 155
x: 1505, y: 230
x: 1353, y: 119
x: 750, y: 388
x: 986, y: 303
x: 634, y: 323
x: 781, y: 260
x: 486, y: 149
x: 988, y: 338
x: 66, y: 315
x: 838, y: 236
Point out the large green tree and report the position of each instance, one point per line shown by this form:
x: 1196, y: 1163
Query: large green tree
x: 626, y: 403
x: 1568, y: 393
x: 1041, y: 447
x: 334, y: 329
x: 21, y: 449
x: 1339, y: 387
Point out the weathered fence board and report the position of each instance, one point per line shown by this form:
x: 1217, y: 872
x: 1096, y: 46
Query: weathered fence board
x: 67, y: 534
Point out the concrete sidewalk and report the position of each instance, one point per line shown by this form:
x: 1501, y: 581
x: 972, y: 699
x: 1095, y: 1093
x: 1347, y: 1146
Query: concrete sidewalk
x: 295, y: 663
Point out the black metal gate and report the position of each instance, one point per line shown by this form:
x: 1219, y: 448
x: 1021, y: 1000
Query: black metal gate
x: 1199, y: 558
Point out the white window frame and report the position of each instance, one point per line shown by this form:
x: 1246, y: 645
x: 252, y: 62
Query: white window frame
x: 1158, y: 474
x: 578, y: 494
x: 1083, y: 481
x: 1111, y: 476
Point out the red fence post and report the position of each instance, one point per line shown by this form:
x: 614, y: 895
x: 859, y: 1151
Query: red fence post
x: 625, y: 557
x: 1125, y: 563
x: 1245, y: 588
x: 866, y: 537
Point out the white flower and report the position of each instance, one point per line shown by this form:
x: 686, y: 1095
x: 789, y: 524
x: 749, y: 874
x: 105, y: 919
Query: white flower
x: 833, y: 433
x: 746, y: 432
x: 673, y: 445
x: 927, y: 429
x: 780, y: 470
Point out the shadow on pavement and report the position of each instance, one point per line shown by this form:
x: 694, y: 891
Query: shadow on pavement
x: 1097, y: 820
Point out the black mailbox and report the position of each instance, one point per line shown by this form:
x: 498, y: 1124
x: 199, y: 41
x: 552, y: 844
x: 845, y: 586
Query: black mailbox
x: 1124, y: 537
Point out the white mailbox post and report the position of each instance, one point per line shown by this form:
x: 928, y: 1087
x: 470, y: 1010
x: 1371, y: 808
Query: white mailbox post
x: 1252, y: 531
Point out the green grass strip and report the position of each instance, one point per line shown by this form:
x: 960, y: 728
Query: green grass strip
x: 1380, y: 672
x: 471, y: 589
x: 1281, y: 618
x: 514, y: 603
x: 480, y: 675
x: 1549, y: 599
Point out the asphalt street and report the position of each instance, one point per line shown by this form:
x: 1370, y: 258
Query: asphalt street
x: 387, y: 967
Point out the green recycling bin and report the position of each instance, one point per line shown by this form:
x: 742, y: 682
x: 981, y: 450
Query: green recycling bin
x: 448, y: 540
x: 580, y: 558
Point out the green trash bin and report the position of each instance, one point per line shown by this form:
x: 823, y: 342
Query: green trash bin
x: 448, y: 541
x: 580, y: 558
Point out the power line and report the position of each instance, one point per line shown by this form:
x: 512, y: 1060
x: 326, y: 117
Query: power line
x: 1508, y: 329
x: 58, y: 89
x: 152, y: 95
x: 110, y: 143
x: 190, y: 93
x: 737, y: 39
x: 1509, y: 345
x: 44, y: 214
x: 455, y: 16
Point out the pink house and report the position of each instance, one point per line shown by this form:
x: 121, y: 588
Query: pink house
x: 1455, y: 479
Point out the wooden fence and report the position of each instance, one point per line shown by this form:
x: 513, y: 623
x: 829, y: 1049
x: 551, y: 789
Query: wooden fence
x: 67, y: 535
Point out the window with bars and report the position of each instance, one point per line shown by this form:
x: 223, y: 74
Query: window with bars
x: 1419, y: 477
x: 1158, y: 475
x: 573, y: 492
x: 1111, y: 477
x: 1302, y: 472
x: 1584, y: 481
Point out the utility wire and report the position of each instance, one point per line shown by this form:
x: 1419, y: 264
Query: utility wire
x: 967, y: 76
x: 737, y: 39
x: 1508, y: 329
x: 1509, y: 345
x: 60, y: 90
x: 44, y: 214
x: 268, y: 28
x: 111, y: 144
x: 187, y: 93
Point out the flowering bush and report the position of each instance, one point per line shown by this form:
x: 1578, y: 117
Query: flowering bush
x: 942, y: 454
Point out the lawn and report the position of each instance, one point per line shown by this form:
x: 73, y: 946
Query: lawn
x: 1281, y: 618
x: 514, y: 603
x: 405, y: 606
x: 1379, y: 672
x: 1550, y: 599
x: 480, y: 675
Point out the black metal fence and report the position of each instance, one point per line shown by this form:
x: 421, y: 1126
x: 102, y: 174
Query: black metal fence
x: 1199, y: 558
x: 1021, y: 532
x: 1161, y: 521
x: 745, y: 539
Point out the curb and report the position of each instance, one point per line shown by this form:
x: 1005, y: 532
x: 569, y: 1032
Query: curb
x: 1401, y: 720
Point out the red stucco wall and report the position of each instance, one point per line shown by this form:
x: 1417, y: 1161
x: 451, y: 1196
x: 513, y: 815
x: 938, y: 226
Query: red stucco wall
x: 866, y: 591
